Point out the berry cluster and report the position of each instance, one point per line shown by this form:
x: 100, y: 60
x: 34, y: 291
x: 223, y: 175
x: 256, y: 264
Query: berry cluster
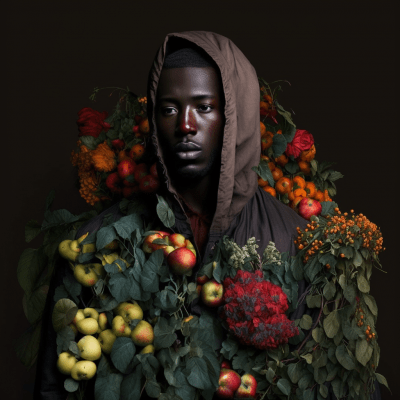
x: 306, y: 238
x: 254, y: 311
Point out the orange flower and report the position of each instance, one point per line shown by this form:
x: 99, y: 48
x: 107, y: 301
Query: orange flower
x: 104, y: 158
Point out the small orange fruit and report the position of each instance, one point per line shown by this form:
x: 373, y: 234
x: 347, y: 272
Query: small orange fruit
x: 291, y: 195
x: 137, y: 152
x: 283, y: 185
x: 282, y: 160
x: 270, y: 190
x: 299, y: 181
x: 299, y: 193
x: 144, y: 126
x: 277, y: 173
x: 266, y: 141
x: 308, y: 155
x: 319, y: 196
x: 123, y: 155
x: 305, y: 167
x: 262, y: 183
x: 263, y: 129
x: 310, y: 189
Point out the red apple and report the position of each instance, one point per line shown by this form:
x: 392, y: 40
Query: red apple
x: 177, y: 240
x: 201, y: 280
x: 308, y: 207
x: 212, y: 293
x: 226, y: 364
x: 229, y: 382
x: 149, y: 246
x: 181, y: 261
x: 189, y: 245
x: 126, y: 167
x: 247, y: 388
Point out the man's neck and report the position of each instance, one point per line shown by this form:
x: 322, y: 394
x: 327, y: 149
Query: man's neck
x: 201, y: 196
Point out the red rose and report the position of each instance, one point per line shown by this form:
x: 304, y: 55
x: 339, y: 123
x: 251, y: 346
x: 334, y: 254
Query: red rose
x: 302, y: 140
x: 91, y: 122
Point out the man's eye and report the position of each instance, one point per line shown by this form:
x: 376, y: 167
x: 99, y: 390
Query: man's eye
x: 169, y: 111
x: 205, y: 107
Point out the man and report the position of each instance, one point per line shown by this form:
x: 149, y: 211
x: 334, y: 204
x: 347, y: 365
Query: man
x: 203, y: 109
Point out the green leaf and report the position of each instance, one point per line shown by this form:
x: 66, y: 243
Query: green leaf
x: 184, y: 390
x: 382, y: 380
x: 357, y: 260
x: 34, y: 303
x: 229, y: 347
x: 27, y: 345
x: 105, y: 236
x: 120, y: 286
x: 306, y: 380
x: 32, y: 229
x: 64, y: 337
x: 126, y: 225
x: 264, y: 172
x: 363, y: 351
x: 30, y: 266
x: 73, y: 287
x: 362, y: 283
x: 318, y: 335
x: 71, y: 385
x: 284, y: 386
x: 371, y: 303
x: 331, y: 324
x: 320, y: 375
x: 308, y: 394
x: 344, y: 357
x: 209, y: 330
x: 164, y: 333
x: 314, y: 301
x: 327, y: 258
x: 329, y: 290
x: 306, y: 322
x: 165, y: 213
x: 295, y: 371
x: 323, y: 390
x: 166, y: 300
x: 308, y: 357
x: 122, y: 353
x: 108, y: 383
x: 279, y: 145
x: 198, y: 373
x: 349, y: 293
x: 328, y: 208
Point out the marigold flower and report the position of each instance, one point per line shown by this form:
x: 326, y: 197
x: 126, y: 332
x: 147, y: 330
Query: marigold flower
x: 104, y: 158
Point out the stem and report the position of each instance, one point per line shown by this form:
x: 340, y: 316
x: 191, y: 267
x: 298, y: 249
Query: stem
x: 141, y: 392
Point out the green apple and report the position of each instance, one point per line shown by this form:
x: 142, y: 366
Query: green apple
x: 65, y: 362
x: 78, y: 316
x: 87, y: 326
x: 89, y: 348
x: 91, y: 313
x: 129, y: 311
x: 85, y: 275
x: 83, y: 370
x: 189, y: 245
x: 120, y: 327
x: 103, y: 322
x: 106, y: 340
x: 143, y: 334
x: 69, y: 249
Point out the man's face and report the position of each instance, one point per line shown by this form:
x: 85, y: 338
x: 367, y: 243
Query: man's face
x: 190, y: 121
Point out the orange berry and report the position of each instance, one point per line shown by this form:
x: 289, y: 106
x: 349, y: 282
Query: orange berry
x: 263, y: 129
x: 300, y: 193
x: 305, y: 167
x: 308, y: 155
x: 299, y: 181
x: 283, y: 185
x: 282, y: 160
x: 266, y: 141
x: 270, y: 190
x: 262, y: 183
x: 277, y: 173
x: 310, y: 189
x: 137, y: 152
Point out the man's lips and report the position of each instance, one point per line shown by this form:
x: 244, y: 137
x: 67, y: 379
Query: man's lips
x: 187, y: 151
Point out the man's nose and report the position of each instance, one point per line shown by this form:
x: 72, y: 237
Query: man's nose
x: 187, y: 123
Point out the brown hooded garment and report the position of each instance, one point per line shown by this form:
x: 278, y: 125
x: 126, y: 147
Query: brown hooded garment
x: 243, y: 210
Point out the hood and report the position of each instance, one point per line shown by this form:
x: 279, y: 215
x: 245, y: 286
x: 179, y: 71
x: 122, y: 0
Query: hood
x: 241, y: 138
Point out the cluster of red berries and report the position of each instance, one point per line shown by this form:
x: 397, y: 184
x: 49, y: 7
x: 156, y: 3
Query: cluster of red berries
x: 254, y: 311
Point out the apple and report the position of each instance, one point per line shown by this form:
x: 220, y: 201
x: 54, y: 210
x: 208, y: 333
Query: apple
x: 126, y: 167
x: 106, y: 340
x: 226, y: 364
x: 148, y: 349
x: 91, y: 313
x: 181, y: 261
x: 65, y: 362
x: 78, y: 316
x: 85, y: 275
x: 167, y: 249
x: 87, y: 326
x: 143, y: 334
x: 99, y: 269
x: 212, y: 293
x: 112, y: 245
x: 309, y: 207
x: 177, y: 240
x: 120, y: 327
x: 83, y: 370
x: 89, y: 348
x: 189, y: 245
x: 229, y: 382
x: 247, y: 388
x: 148, y: 247
x: 69, y: 249
x: 129, y: 311
x: 201, y: 280
x: 103, y: 322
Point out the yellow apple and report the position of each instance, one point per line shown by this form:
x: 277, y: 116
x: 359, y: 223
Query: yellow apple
x: 87, y: 326
x: 83, y: 370
x: 89, y: 348
x: 120, y: 327
x: 143, y: 334
x: 106, y: 340
x: 65, y: 362
x: 189, y: 245
x: 79, y: 315
x: 129, y: 311
x: 148, y: 349
x: 69, y: 249
x: 85, y: 275
x: 103, y: 322
x: 91, y: 313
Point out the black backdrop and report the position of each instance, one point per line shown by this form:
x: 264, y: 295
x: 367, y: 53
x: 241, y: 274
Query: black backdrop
x: 339, y: 58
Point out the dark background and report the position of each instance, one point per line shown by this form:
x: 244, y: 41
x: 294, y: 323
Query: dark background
x: 338, y: 57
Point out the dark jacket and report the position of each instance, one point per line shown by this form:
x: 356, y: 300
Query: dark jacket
x: 243, y: 210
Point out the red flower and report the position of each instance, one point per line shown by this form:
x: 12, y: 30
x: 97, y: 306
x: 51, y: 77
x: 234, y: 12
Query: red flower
x: 91, y: 122
x: 254, y: 311
x: 302, y: 140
